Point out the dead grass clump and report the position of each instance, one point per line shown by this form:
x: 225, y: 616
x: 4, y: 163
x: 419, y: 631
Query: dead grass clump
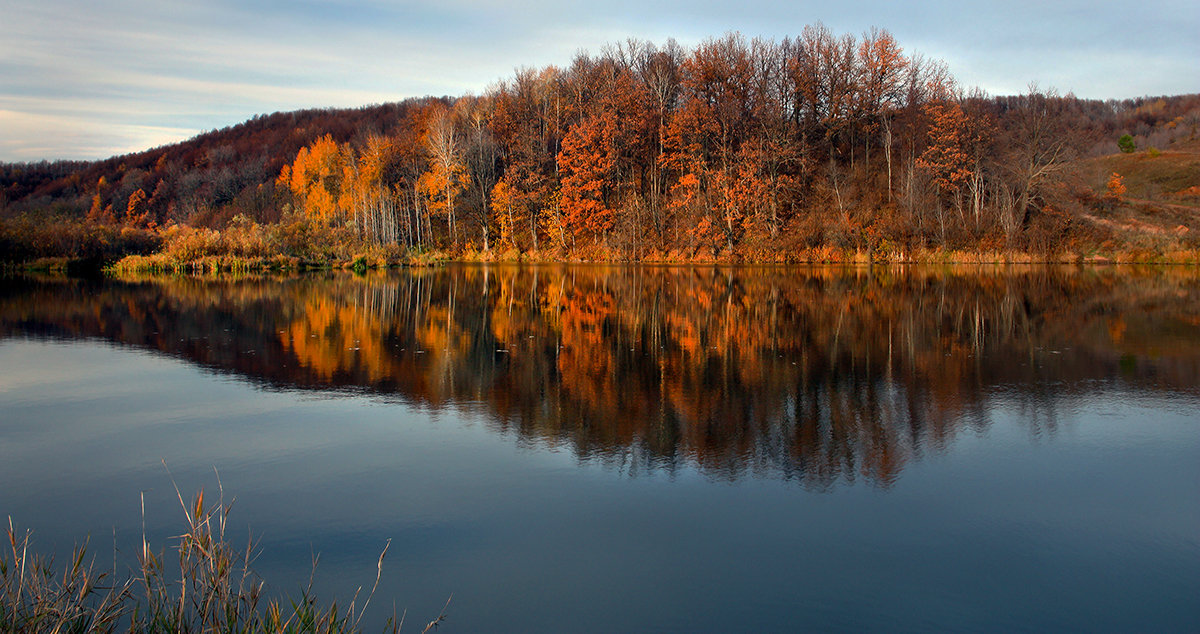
x: 206, y: 585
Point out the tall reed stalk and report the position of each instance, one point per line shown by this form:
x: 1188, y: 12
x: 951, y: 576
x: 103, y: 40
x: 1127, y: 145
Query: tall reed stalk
x: 214, y: 588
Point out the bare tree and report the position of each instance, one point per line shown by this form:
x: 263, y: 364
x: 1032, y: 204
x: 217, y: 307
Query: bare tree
x: 1039, y: 142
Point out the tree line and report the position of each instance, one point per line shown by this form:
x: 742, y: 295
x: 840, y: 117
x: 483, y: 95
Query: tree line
x: 755, y: 148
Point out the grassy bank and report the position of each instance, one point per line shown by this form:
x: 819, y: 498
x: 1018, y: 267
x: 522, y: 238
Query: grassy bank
x: 364, y: 259
x: 1100, y: 238
x: 1119, y: 230
x: 161, y: 263
x: 204, y: 583
x: 369, y: 258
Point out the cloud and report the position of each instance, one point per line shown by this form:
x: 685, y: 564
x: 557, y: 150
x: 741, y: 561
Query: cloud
x: 147, y: 68
x: 34, y: 137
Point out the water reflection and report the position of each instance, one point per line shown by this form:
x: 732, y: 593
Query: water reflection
x: 818, y: 375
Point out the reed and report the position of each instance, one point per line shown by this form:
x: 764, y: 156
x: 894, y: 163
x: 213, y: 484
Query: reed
x: 213, y: 588
x: 35, y: 598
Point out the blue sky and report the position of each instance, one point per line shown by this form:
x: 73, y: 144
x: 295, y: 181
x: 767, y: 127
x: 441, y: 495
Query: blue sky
x: 89, y: 79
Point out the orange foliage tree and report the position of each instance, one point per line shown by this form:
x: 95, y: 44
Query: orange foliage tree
x: 439, y: 185
x: 949, y: 158
x: 1115, y: 190
x: 588, y: 164
x: 137, y: 213
x: 315, y: 178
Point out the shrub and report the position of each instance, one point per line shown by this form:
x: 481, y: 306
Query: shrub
x: 28, y: 238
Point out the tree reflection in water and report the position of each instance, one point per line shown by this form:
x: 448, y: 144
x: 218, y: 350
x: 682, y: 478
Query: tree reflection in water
x: 821, y: 375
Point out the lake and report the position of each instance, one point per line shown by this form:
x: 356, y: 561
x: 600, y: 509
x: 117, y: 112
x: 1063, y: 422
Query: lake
x: 606, y: 448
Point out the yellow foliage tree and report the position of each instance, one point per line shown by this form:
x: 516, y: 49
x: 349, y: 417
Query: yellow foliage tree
x: 440, y: 184
x: 316, y: 177
x: 365, y: 192
x: 448, y: 175
x: 504, y: 198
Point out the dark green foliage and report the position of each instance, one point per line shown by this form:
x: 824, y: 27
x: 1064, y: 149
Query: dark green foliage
x: 1126, y: 144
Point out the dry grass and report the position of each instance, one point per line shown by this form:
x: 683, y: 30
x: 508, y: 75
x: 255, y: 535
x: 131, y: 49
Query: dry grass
x: 1147, y: 176
x: 34, y: 598
x: 213, y: 588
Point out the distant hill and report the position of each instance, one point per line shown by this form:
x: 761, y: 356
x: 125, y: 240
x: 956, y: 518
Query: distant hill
x: 203, y: 174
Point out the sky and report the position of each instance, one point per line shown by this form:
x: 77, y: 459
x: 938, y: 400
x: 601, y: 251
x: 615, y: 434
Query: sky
x: 87, y: 79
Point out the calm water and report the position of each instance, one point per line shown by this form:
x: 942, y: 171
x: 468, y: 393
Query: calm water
x: 638, y: 449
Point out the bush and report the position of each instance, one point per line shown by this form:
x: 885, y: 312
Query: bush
x: 1126, y: 144
x: 26, y: 238
x: 184, y: 243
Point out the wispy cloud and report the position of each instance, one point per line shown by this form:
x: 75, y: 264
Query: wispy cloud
x: 87, y: 80
x: 42, y: 136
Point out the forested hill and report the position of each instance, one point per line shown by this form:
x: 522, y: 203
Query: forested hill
x: 195, y: 180
x: 747, y: 149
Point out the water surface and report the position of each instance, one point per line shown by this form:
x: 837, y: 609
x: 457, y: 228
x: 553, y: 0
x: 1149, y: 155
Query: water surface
x: 639, y: 449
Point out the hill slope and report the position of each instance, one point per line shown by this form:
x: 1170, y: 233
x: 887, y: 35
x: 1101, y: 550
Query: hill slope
x: 195, y: 180
x: 817, y: 145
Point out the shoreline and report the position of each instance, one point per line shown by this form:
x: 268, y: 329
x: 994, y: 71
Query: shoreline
x: 393, y: 258
x: 815, y: 257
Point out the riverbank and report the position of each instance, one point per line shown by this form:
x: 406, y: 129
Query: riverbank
x: 372, y: 260
x: 212, y: 264
x: 71, y: 247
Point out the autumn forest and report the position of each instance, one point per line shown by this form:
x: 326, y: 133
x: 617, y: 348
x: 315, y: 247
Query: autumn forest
x: 821, y: 147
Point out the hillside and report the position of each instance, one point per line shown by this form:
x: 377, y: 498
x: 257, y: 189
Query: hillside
x: 811, y: 148
x: 195, y: 180
x: 1162, y: 197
